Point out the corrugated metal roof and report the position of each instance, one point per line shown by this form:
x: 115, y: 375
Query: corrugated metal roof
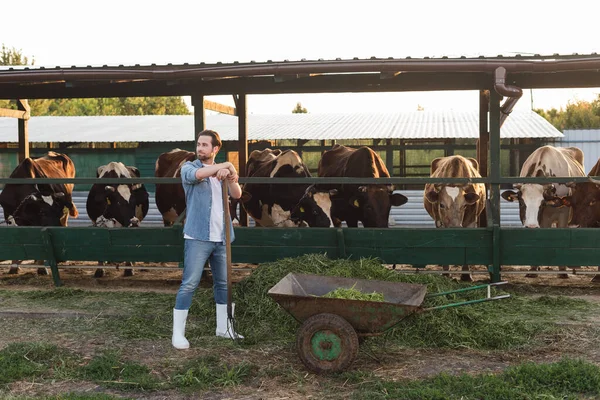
x: 173, y: 128
x: 588, y: 140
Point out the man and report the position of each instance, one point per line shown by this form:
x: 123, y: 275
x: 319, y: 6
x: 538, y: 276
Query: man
x: 204, y: 233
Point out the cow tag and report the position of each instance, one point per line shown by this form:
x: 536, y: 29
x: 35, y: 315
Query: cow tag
x: 301, y: 209
x: 65, y: 210
x: 107, y: 201
x: 356, y: 204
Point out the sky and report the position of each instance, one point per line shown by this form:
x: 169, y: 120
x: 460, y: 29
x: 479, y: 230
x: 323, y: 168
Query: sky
x: 65, y: 33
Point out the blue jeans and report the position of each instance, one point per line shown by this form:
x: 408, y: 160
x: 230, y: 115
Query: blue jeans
x: 195, y: 254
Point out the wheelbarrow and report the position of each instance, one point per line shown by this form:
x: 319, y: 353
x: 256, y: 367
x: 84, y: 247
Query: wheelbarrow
x: 328, y: 338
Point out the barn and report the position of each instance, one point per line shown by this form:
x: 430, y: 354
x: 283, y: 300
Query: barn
x: 499, y: 81
x: 406, y: 141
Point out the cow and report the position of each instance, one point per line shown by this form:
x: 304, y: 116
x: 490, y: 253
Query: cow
x: 455, y: 205
x: 584, y: 201
x: 284, y: 205
x: 117, y: 205
x: 536, y: 201
x: 40, y: 204
x: 170, y: 198
x: 369, y: 204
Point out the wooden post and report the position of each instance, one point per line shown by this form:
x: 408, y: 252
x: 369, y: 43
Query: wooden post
x: 482, y: 145
x: 494, y: 174
x: 23, y: 124
x: 199, y: 116
x: 242, y: 114
x: 389, y: 156
x: 484, y: 136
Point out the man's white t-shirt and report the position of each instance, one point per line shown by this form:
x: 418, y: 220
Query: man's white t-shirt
x: 216, y: 212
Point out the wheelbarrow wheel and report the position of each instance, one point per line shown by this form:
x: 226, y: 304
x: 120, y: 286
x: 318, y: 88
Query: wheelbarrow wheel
x: 326, y: 343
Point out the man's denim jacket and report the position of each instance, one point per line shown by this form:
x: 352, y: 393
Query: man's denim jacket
x: 198, y: 199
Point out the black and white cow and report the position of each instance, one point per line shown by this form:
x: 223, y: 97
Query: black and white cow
x: 117, y: 205
x: 284, y: 205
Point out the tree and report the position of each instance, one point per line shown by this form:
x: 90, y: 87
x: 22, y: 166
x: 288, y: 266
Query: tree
x: 578, y: 115
x: 299, y: 109
x: 87, y: 107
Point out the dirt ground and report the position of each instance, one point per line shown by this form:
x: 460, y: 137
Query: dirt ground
x: 385, y: 363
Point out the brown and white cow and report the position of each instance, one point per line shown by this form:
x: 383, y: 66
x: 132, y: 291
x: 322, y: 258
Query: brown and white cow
x: 117, y: 205
x: 455, y: 205
x: 535, y: 200
x: 284, y: 205
x: 584, y: 201
x: 369, y: 204
x: 170, y: 197
x: 40, y: 204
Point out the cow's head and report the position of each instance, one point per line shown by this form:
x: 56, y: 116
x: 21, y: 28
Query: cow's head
x: 41, y: 209
x: 314, y: 208
x: 123, y: 205
x: 584, y: 201
x: 119, y: 205
x: 532, y: 198
x: 373, y: 203
x: 451, y: 202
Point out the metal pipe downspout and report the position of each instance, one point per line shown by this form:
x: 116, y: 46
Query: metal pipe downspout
x: 512, y: 93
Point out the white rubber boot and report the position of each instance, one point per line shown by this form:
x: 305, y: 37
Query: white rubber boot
x: 178, y: 340
x: 224, y: 328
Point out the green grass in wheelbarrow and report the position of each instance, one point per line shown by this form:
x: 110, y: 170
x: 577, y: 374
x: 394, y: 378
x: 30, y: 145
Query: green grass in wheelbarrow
x: 353, y: 294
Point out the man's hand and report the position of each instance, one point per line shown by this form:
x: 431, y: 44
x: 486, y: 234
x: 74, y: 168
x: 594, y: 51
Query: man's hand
x: 222, y: 174
x: 233, y: 178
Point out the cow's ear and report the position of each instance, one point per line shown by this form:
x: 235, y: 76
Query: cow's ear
x: 432, y: 196
x: 397, y: 199
x: 333, y: 192
x: 474, y: 163
x: 134, y: 171
x: 109, y: 189
x: 435, y: 163
x: 510, y: 195
x: 246, y: 196
x: 471, y: 198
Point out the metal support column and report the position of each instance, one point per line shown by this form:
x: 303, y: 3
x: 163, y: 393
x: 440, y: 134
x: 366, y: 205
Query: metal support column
x: 494, y: 174
x: 23, y: 124
x: 242, y: 114
x: 199, y: 116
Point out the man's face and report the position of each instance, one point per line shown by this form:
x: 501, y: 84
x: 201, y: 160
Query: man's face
x: 204, y: 148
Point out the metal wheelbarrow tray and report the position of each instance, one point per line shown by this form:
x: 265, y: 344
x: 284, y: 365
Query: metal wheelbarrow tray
x: 328, y: 338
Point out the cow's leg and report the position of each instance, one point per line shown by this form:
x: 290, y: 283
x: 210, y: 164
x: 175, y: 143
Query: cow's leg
x: 99, y: 271
x: 466, y: 277
x: 563, y: 222
x: 41, y: 271
x: 128, y: 271
x: 14, y: 268
x: 446, y: 268
x: 597, y: 277
x: 562, y: 268
x: 352, y: 223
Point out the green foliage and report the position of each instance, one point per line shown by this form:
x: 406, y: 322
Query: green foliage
x: 22, y: 360
x: 207, y: 372
x: 13, y: 56
x: 578, y: 115
x: 109, y: 369
x: 567, y: 379
x: 299, y: 109
x: 354, y: 294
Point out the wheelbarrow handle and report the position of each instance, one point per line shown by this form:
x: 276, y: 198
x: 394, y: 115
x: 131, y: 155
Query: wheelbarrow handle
x: 464, y: 303
x: 488, y: 285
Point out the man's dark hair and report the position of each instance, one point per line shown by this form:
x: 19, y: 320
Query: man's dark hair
x: 216, y: 139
